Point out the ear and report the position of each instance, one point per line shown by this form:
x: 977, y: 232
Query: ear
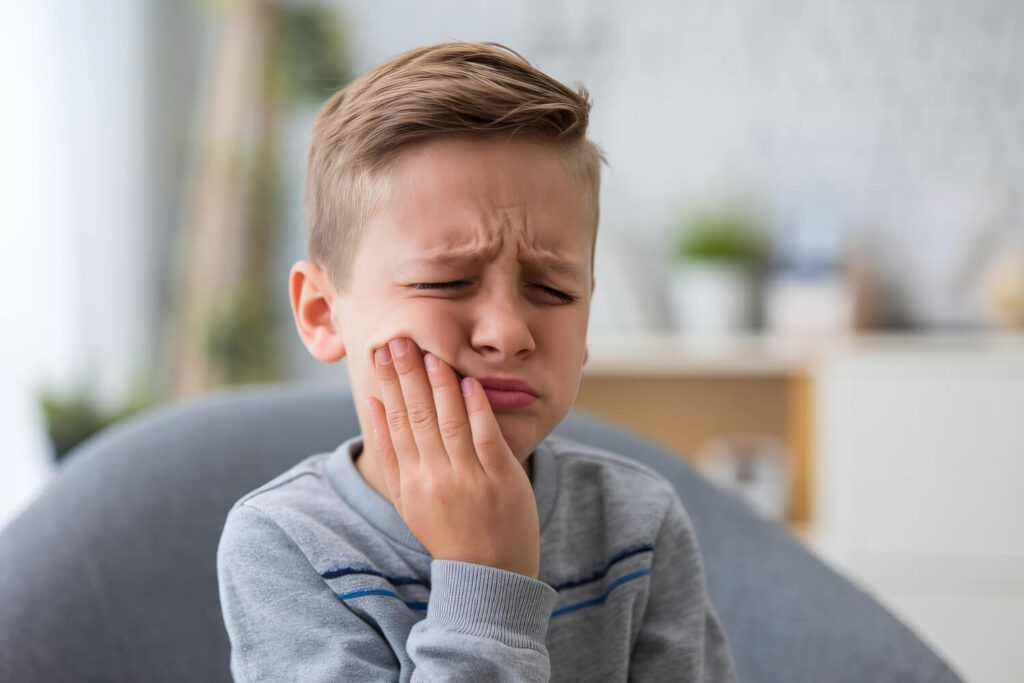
x: 313, y: 299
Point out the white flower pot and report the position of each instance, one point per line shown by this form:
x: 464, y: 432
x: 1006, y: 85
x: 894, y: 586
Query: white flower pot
x: 711, y: 297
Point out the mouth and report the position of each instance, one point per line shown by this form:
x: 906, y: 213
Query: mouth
x: 504, y: 393
x: 508, y: 393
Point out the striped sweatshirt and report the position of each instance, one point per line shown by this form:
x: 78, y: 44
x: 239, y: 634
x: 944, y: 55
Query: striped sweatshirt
x: 320, y: 579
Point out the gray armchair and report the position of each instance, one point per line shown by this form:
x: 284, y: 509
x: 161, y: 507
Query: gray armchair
x: 110, y: 574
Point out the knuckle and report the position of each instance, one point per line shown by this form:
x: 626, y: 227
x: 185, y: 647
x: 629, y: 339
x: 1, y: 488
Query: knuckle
x: 388, y: 377
x: 420, y: 416
x: 404, y: 366
x: 450, y: 429
x: 486, y: 440
x: 397, y: 418
x: 433, y: 487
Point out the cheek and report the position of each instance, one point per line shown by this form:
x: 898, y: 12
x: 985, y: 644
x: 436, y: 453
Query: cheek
x: 431, y: 324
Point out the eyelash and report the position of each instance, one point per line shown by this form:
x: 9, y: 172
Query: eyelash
x: 560, y: 295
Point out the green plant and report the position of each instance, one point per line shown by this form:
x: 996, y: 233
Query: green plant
x: 242, y: 338
x: 720, y: 235
x: 309, y: 52
x: 75, y: 416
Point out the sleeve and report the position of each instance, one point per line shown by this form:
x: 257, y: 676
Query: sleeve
x: 482, y: 624
x: 680, y: 637
x: 286, y: 624
x: 283, y: 620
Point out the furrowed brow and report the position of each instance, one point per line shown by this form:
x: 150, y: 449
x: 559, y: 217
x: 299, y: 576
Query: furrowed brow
x: 559, y: 267
x: 453, y: 260
x: 466, y: 259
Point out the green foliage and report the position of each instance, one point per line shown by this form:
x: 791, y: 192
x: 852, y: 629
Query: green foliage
x: 72, y: 418
x: 308, y: 52
x: 241, y: 339
x: 720, y: 235
x: 307, y: 61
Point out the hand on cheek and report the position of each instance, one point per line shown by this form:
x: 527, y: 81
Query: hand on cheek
x: 451, y: 474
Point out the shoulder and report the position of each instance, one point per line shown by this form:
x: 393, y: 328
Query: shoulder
x: 291, y: 487
x: 583, y: 461
x: 287, y: 496
x: 629, y: 492
x: 298, y: 507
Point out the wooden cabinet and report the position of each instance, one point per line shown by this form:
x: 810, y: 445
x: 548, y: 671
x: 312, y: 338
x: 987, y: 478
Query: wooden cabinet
x: 683, y: 393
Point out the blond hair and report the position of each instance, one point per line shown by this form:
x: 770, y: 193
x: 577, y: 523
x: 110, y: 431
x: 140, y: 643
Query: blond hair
x: 453, y: 88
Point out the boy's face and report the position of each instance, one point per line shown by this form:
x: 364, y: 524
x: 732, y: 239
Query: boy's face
x: 509, y: 227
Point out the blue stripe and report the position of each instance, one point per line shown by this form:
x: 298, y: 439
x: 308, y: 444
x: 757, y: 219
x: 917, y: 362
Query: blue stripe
x: 565, y: 610
x: 404, y: 580
x: 395, y: 580
x: 600, y: 599
x: 359, y: 594
x: 619, y: 557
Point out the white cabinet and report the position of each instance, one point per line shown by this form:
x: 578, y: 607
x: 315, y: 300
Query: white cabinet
x: 920, y: 489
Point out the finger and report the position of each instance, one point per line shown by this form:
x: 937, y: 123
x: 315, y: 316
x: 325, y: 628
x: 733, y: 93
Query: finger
x: 419, y: 401
x: 452, y: 420
x: 491, y: 447
x: 394, y: 408
x: 386, y: 452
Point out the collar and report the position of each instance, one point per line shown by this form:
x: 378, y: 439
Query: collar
x: 354, y: 490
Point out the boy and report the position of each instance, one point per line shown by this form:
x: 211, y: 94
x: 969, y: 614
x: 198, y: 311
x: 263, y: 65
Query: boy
x: 453, y: 206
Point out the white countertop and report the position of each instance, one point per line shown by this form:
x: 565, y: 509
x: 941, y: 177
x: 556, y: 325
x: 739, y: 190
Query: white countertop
x: 766, y: 354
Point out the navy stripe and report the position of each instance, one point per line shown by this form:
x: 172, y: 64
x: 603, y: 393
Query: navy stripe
x: 557, y: 613
x: 599, y: 600
x: 628, y: 552
x: 359, y: 594
x: 409, y: 580
x: 396, y: 580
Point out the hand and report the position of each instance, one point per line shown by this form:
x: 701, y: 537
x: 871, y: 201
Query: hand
x: 450, y: 472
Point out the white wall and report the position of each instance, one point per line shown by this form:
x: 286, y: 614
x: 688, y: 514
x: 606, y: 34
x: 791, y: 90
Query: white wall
x: 75, y: 262
x: 899, y: 121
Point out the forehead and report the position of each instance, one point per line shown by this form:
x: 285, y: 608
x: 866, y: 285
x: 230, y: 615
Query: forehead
x: 454, y: 199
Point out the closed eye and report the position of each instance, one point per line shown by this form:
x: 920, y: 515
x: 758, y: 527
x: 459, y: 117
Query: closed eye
x: 440, y: 285
x: 558, y: 294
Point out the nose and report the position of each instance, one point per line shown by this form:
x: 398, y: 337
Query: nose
x: 500, y: 330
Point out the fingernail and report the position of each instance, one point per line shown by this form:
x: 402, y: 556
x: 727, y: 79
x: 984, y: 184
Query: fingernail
x: 382, y: 355
x: 467, y: 386
x: 430, y: 360
x: 398, y: 346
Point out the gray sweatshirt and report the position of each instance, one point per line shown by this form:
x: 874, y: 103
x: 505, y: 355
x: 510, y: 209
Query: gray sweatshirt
x: 321, y: 580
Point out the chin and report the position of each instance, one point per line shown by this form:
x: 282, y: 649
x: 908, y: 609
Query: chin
x: 516, y: 438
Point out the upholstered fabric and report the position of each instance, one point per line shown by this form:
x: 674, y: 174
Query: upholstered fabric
x: 110, y: 574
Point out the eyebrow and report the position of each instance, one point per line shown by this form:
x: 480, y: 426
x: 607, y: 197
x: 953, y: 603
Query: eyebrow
x: 466, y: 259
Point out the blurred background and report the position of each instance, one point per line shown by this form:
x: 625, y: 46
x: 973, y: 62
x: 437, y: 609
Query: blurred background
x: 810, y: 262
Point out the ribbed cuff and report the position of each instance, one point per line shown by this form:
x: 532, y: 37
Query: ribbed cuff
x: 492, y: 603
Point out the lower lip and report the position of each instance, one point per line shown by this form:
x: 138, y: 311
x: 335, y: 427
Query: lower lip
x: 508, y: 400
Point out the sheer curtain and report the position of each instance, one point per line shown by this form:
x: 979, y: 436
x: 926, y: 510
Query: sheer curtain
x: 75, y: 218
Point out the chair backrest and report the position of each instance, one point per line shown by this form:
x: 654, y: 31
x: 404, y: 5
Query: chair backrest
x: 110, y: 574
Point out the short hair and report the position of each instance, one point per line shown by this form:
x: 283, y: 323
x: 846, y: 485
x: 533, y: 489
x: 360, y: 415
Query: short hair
x: 453, y: 88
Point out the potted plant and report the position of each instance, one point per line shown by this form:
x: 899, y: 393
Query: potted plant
x: 712, y: 285
x: 73, y: 417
